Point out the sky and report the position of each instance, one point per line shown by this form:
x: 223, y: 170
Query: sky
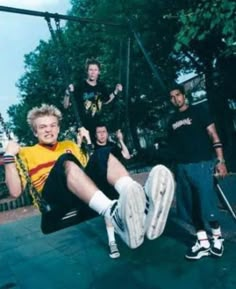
x: 19, y: 35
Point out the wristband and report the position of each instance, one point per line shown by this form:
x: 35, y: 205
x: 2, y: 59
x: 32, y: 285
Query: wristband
x: 217, y: 145
x: 115, y: 93
x: 8, y: 159
x: 220, y: 161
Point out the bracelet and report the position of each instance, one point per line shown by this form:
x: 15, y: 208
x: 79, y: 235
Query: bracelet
x: 8, y: 159
x: 115, y: 94
x: 217, y: 144
x: 220, y: 161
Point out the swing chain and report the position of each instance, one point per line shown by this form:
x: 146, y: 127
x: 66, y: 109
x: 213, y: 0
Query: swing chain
x: 58, y: 40
x: 37, y: 199
x: 48, y: 20
x: 43, y: 206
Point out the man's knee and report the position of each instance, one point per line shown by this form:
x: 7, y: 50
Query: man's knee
x: 71, y: 167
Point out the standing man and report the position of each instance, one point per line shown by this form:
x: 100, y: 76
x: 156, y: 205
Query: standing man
x: 194, y: 139
x: 91, y: 95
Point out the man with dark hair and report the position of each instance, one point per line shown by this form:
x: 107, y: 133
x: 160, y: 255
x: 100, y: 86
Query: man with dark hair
x: 118, y: 149
x: 193, y: 138
x: 121, y: 152
x: 91, y: 95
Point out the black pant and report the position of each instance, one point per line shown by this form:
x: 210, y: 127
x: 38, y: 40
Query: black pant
x: 55, y: 190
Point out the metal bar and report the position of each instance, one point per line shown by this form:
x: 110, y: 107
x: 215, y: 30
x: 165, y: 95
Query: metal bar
x: 58, y: 16
x: 226, y: 201
x: 228, y: 175
x: 127, y: 93
x: 147, y: 57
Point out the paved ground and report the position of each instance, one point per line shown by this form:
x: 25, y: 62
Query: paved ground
x: 77, y: 258
x: 17, y: 214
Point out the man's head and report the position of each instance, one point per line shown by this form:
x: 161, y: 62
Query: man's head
x: 178, y: 98
x: 44, y: 122
x: 101, y: 134
x: 93, y: 68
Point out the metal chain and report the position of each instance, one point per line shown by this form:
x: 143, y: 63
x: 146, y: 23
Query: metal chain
x: 43, y: 206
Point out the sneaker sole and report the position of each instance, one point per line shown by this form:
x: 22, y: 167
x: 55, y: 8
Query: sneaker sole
x: 132, y: 210
x: 199, y: 256
x: 160, y: 187
x: 114, y: 255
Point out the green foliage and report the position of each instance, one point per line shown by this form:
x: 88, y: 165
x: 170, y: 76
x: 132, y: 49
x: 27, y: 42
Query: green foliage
x: 50, y: 67
x: 207, y: 18
x: 202, y: 36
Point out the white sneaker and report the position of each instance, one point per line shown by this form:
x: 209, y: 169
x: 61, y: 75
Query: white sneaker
x: 114, y: 252
x: 128, y: 215
x: 159, y: 188
x: 217, y: 247
x: 197, y: 251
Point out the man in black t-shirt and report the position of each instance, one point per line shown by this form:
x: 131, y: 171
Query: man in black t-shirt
x: 119, y: 149
x: 90, y: 95
x: 121, y: 152
x: 193, y: 139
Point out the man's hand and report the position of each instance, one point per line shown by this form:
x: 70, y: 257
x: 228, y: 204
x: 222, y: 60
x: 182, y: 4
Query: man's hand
x: 12, y: 148
x: 83, y: 134
x: 118, y: 88
x: 66, y: 100
x: 221, y: 170
x: 71, y: 87
x: 119, y: 135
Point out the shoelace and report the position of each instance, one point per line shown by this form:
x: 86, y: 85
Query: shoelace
x: 113, y: 247
x: 196, y: 246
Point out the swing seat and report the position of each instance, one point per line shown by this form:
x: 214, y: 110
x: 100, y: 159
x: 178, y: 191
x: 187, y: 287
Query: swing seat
x: 59, y: 218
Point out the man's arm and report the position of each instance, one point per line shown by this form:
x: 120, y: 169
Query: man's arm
x: 217, y: 145
x: 124, y: 149
x: 12, y: 177
x: 66, y: 100
x: 112, y: 95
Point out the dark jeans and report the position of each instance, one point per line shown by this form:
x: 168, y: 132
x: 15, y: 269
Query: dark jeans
x: 196, y: 196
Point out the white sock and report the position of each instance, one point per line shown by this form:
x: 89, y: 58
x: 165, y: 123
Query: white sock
x: 203, y: 239
x: 100, y: 203
x: 216, y: 232
x: 122, y: 183
x: 110, y: 234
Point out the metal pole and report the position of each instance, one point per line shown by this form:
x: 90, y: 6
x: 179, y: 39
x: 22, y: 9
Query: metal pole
x: 127, y: 76
x: 147, y: 57
x: 57, y: 16
x: 127, y: 96
x: 226, y: 201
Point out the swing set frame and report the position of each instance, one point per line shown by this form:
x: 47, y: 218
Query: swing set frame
x: 51, y: 219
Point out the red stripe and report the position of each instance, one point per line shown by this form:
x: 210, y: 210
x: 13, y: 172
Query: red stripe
x: 40, y: 180
x: 41, y: 183
x: 41, y: 166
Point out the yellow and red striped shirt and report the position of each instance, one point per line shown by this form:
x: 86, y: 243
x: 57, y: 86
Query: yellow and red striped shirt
x: 40, y: 159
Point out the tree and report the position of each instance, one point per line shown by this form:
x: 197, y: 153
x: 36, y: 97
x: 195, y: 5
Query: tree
x: 44, y: 80
x: 207, y: 37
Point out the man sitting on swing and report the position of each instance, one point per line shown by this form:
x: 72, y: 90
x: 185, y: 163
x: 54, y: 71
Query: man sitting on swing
x: 64, y: 176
